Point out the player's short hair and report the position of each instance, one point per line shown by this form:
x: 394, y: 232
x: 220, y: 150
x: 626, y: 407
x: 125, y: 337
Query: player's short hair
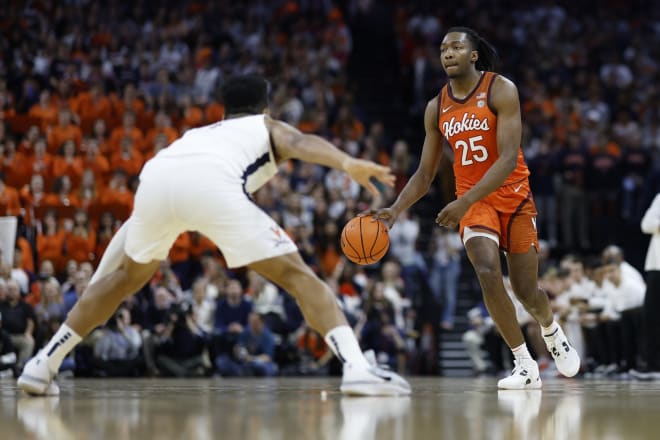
x: 487, y: 54
x: 245, y: 94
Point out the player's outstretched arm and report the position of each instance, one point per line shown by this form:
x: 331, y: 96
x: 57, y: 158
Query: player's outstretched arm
x: 421, y: 180
x: 290, y: 143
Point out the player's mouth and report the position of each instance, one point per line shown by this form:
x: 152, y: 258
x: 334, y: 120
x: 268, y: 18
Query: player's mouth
x: 450, y: 66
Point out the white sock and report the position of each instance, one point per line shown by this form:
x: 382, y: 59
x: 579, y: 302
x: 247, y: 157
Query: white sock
x: 521, y: 352
x: 59, y: 346
x: 550, y: 330
x: 344, y: 344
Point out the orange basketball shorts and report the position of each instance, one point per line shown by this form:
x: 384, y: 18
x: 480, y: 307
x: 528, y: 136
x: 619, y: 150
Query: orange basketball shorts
x: 509, y: 213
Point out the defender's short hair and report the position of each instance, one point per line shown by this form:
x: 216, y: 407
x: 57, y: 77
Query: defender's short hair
x: 245, y: 94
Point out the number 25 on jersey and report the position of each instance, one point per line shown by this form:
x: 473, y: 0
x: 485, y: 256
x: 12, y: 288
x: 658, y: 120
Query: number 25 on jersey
x: 471, y: 150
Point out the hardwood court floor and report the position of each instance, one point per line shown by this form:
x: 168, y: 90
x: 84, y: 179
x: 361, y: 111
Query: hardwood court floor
x: 292, y: 408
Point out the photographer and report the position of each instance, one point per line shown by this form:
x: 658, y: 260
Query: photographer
x: 181, y: 346
x: 117, y: 353
x: 253, y: 354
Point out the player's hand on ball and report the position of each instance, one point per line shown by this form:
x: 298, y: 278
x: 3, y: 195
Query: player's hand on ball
x: 451, y: 215
x: 387, y: 215
x: 363, y: 170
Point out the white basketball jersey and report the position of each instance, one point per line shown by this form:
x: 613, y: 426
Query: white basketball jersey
x: 239, y: 148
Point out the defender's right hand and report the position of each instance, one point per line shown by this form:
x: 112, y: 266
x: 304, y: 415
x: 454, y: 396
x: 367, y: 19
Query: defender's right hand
x: 388, y: 215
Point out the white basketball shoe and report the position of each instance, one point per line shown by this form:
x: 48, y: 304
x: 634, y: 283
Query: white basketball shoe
x: 565, y: 356
x: 37, y: 379
x: 525, y: 376
x: 372, y: 381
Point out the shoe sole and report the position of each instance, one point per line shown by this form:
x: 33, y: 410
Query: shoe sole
x: 32, y: 385
x: 532, y: 386
x: 371, y: 389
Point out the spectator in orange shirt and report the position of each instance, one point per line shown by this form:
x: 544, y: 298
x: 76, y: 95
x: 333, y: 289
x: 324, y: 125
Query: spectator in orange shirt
x: 67, y: 163
x: 87, y: 192
x: 106, y: 229
x: 214, y: 112
x: 27, y: 257
x: 127, y: 158
x: 192, y: 115
x: 93, y: 105
x: 26, y: 147
x: 32, y: 197
x: 40, y: 163
x: 63, y: 131
x: 80, y: 242
x: 10, y: 164
x: 163, y: 125
x: 95, y: 161
x: 9, y: 201
x: 63, y: 194
x: 129, y: 102
x: 117, y: 196
x: 45, y: 110
x: 101, y: 137
x: 127, y: 129
x: 160, y: 142
x: 50, y: 241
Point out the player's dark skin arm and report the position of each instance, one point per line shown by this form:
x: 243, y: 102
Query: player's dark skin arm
x: 421, y: 180
x: 504, y: 99
x: 290, y: 143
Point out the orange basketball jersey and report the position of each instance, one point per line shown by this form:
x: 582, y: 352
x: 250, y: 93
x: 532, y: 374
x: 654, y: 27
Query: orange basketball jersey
x: 470, y: 127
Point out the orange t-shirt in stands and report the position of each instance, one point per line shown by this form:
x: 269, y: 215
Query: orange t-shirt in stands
x: 9, y: 201
x: 59, y: 134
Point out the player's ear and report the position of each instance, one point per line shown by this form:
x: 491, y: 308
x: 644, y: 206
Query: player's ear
x: 474, y: 56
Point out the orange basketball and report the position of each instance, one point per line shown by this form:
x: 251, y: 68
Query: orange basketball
x: 365, y: 240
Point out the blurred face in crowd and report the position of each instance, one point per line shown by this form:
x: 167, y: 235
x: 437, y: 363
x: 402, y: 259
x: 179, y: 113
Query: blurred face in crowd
x: 162, y: 298
x: 575, y: 270
x: 390, y: 270
x: 457, y: 55
x: 199, y: 290
x: 234, y: 292
x: 81, y: 282
x: 255, y: 323
x: 86, y: 269
x: 13, y: 291
x: 52, y: 290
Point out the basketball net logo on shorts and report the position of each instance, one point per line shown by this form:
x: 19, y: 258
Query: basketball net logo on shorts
x: 467, y: 123
x: 278, y: 236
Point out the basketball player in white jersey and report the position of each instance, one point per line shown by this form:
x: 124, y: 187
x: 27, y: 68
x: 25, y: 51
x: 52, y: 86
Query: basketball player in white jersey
x: 202, y: 182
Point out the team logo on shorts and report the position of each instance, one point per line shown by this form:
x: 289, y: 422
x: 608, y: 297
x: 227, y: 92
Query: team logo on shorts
x: 280, y: 236
x: 534, y: 222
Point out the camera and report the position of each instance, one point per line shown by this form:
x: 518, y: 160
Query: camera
x: 181, y: 311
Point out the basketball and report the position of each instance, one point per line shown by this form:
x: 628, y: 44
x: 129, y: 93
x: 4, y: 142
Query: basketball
x: 365, y: 240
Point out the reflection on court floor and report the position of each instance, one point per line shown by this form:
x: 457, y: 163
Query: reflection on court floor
x: 293, y: 408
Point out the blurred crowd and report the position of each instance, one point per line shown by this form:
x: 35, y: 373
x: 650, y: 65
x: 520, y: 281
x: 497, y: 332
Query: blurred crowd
x: 91, y: 90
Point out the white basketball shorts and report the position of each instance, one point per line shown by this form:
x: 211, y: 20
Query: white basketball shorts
x: 176, y: 196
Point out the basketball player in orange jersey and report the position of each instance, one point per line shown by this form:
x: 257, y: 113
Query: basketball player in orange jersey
x: 478, y: 114
x: 202, y: 182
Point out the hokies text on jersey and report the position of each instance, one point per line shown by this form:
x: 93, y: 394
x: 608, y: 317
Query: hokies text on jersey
x: 467, y: 123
